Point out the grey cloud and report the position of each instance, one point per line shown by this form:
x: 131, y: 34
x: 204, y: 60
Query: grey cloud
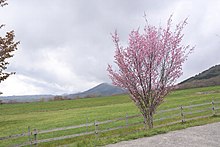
x: 67, y: 44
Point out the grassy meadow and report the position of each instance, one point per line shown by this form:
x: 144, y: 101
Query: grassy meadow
x: 15, y: 118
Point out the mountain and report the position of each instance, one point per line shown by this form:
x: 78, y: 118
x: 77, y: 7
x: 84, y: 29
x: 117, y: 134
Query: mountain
x: 103, y: 89
x: 209, y: 77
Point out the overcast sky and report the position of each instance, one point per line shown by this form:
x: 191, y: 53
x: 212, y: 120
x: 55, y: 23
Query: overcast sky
x: 66, y: 44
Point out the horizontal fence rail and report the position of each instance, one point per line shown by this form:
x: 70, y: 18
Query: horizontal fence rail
x: 65, y: 128
x: 182, y: 114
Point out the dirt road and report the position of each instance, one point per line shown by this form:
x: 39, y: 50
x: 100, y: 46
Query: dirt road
x: 199, y: 136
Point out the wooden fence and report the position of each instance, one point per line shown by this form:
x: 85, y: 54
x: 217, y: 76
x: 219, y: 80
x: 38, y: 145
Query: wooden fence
x: 179, y: 115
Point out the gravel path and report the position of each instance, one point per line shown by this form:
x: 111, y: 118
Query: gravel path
x: 199, y: 136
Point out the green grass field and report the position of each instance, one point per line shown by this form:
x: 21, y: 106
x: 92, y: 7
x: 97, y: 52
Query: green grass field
x: 15, y: 118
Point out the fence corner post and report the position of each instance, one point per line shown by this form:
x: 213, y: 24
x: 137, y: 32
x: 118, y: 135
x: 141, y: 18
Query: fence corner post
x: 35, y: 136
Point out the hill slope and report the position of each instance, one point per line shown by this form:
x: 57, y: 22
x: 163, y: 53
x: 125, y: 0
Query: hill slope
x: 210, y: 77
x: 103, y: 89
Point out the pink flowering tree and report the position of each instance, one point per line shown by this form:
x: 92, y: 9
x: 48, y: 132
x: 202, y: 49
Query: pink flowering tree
x: 150, y: 65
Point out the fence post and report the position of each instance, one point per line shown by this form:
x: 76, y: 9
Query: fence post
x: 145, y: 123
x: 126, y: 120
x: 182, y: 115
x: 96, y: 127
x: 96, y: 132
x: 29, y: 135
x: 35, y: 137
x: 213, y: 107
x: 87, y: 121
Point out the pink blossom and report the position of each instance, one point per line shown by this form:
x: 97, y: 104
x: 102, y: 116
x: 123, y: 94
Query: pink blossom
x: 150, y: 65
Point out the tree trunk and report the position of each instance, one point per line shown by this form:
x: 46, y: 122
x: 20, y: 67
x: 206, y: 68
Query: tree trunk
x: 148, y: 120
